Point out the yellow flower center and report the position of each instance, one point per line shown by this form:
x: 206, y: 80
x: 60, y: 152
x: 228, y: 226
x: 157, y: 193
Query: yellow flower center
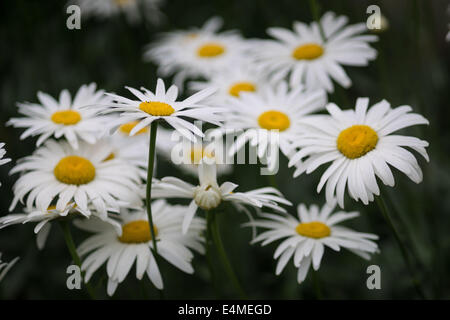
x: 121, y: 3
x: 356, y: 141
x: 210, y: 50
x: 197, y: 155
x: 51, y: 208
x: 156, y: 108
x: 236, y: 89
x: 74, y: 170
x: 137, y: 232
x: 308, y: 51
x: 66, y: 117
x: 127, y: 127
x: 314, y: 229
x: 274, y: 120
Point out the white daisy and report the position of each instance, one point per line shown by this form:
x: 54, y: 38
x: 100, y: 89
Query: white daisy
x: 57, y: 172
x: 163, y: 105
x: 119, y: 252
x: 197, y: 52
x: 187, y: 155
x: 2, y: 154
x: 133, y: 10
x: 272, y: 118
x: 360, y: 145
x: 305, y: 238
x: 310, y: 59
x: 64, y: 118
x: 231, y: 82
x: 209, y: 195
x: 44, y: 219
x: 6, y: 266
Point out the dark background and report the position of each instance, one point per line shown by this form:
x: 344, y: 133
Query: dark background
x: 38, y: 52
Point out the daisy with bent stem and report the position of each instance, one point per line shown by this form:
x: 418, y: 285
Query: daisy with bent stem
x: 200, y: 52
x: 119, y: 251
x: 208, y: 195
x: 311, y: 59
x: 272, y: 118
x: 305, y: 238
x: 361, y: 146
x: 64, y: 118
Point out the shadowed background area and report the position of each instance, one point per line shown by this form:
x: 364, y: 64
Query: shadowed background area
x: 40, y: 53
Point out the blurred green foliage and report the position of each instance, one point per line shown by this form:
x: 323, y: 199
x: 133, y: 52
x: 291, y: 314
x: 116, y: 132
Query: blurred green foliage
x: 38, y: 52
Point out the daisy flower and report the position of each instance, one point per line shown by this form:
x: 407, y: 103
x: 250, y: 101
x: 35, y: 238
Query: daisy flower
x: 305, y: 238
x: 199, y: 52
x: 120, y: 251
x: 208, y: 194
x: 133, y: 10
x: 6, y: 266
x: 308, y: 58
x: 231, y: 82
x: 273, y: 117
x: 64, y: 118
x: 361, y: 146
x: 187, y: 155
x: 163, y: 105
x: 44, y: 219
x: 2, y: 154
x: 57, y: 172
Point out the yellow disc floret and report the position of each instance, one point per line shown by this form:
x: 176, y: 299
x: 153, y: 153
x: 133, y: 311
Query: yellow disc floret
x: 127, y: 127
x: 197, y: 154
x: 210, y: 50
x: 356, y: 141
x: 274, y: 120
x: 66, y: 117
x: 156, y: 108
x: 236, y: 89
x: 137, y: 232
x: 314, y: 229
x: 308, y: 51
x: 74, y: 170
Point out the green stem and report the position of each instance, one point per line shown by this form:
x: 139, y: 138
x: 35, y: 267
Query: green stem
x: 73, y: 252
x: 209, y: 244
x: 223, y: 256
x: 417, y: 285
x: 148, y: 202
x: 316, y: 282
x: 315, y: 11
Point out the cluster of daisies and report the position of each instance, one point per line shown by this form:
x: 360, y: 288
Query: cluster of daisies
x: 91, y: 164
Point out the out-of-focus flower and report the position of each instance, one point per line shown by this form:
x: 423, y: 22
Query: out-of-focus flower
x: 309, y: 58
x: 6, y: 266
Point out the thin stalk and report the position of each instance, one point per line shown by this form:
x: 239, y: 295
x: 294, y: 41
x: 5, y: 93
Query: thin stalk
x: 417, y: 285
x: 148, y: 202
x: 316, y: 283
x: 209, y: 243
x: 73, y: 252
x: 223, y: 256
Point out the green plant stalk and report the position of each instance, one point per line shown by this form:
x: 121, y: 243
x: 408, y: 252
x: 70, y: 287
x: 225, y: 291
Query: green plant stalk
x: 315, y: 11
x: 416, y: 282
x: 73, y: 252
x: 223, y: 256
x: 209, y: 258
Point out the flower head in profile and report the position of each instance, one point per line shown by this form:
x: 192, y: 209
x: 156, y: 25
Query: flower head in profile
x: 64, y: 118
x: 44, y: 218
x: 134, y: 10
x: 134, y: 244
x: 2, y: 154
x: 360, y: 146
x: 308, y: 58
x: 6, y: 266
x: 305, y: 238
x: 208, y: 195
x: 162, y: 105
x: 57, y: 173
x: 272, y: 118
x: 199, y: 52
